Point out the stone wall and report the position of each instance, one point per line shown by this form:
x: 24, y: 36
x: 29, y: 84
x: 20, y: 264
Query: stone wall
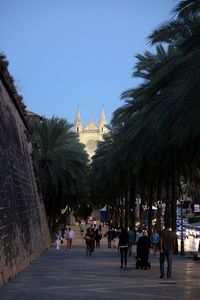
x: 24, y: 233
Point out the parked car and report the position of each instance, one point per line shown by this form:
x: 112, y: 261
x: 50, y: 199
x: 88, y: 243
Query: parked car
x: 185, y: 234
x: 187, y: 229
x: 190, y: 230
x: 197, y: 232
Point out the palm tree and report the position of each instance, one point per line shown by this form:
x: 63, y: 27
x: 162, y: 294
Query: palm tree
x: 184, y: 34
x: 157, y: 140
x: 61, y: 164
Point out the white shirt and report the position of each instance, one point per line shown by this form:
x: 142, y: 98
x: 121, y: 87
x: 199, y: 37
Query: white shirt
x: 70, y: 234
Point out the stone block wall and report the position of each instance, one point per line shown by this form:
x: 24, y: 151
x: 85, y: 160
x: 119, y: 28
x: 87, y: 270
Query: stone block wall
x: 24, y: 233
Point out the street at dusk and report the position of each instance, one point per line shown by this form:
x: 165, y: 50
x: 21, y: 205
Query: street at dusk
x: 99, y: 149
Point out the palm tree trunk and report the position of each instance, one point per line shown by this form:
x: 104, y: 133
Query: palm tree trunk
x: 126, y: 208
x: 150, y: 202
x: 158, y: 217
x: 130, y: 200
x: 141, y: 208
x: 173, y: 201
x: 115, y: 221
x: 167, y: 201
x: 132, y: 204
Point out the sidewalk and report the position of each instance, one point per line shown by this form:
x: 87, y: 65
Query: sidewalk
x: 61, y: 275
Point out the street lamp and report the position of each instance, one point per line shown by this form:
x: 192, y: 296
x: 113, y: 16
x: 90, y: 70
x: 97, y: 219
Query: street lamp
x: 182, y: 239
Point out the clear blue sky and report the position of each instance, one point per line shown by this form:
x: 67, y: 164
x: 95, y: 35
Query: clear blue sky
x: 68, y: 52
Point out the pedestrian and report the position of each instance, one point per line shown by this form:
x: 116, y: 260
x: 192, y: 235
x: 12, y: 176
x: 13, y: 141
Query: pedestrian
x: 123, y: 247
x: 154, y: 240
x: 131, y: 239
x: 143, y: 245
x: 167, y: 246
x: 114, y: 237
x: 109, y: 236
x: 89, y: 241
x: 58, y: 238
x: 100, y: 227
x: 82, y: 229
x: 139, y: 234
x: 69, y: 237
x: 98, y: 237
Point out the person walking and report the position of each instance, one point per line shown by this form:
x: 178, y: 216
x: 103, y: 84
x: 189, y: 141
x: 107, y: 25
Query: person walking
x: 89, y: 241
x: 131, y: 239
x: 98, y: 237
x: 143, y: 245
x: 58, y: 238
x: 114, y: 238
x: 154, y: 241
x: 82, y: 229
x: 69, y: 237
x: 167, y: 246
x: 123, y: 247
x: 139, y: 234
x: 109, y: 236
x: 100, y: 227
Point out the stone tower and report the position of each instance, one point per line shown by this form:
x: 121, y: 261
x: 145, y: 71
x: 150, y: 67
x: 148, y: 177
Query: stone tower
x: 91, y: 134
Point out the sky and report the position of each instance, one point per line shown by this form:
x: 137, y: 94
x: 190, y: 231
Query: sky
x: 65, y: 53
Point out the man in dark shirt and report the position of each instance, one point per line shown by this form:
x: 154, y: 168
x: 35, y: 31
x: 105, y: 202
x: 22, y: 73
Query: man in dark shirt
x: 167, y: 246
x: 123, y: 246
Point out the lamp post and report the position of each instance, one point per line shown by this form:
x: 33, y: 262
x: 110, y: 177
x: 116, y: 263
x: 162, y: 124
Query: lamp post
x: 182, y: 239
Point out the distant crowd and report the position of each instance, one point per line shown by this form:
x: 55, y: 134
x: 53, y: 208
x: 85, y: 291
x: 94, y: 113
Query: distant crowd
x: 123, y: 240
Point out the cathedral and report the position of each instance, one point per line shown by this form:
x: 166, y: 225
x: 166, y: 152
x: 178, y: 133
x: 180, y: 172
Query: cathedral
x: 92, y: 133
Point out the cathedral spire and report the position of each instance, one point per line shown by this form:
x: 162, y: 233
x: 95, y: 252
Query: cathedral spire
x: 78, y: 123
x: 103, y: 121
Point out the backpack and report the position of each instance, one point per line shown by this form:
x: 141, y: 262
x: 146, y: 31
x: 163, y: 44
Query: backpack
x: 154, y: 238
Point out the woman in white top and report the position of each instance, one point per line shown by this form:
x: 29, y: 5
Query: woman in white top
x: 69, y: 237
x: 58, y: 238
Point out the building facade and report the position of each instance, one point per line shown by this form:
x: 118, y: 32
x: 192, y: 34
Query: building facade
x: 92, y: 133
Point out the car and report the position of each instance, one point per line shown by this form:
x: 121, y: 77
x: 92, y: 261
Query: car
x: 187, y: 230
x: 197, y: 232
x: 190, y: 230
x: 193, y: 228
x: 179, y: 232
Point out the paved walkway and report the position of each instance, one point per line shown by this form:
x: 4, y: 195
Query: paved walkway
x: 61, y: 275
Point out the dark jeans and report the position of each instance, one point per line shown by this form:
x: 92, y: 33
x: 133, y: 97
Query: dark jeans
x: 130, y: 246
x: 123, y: 253
x: 168, y: 255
